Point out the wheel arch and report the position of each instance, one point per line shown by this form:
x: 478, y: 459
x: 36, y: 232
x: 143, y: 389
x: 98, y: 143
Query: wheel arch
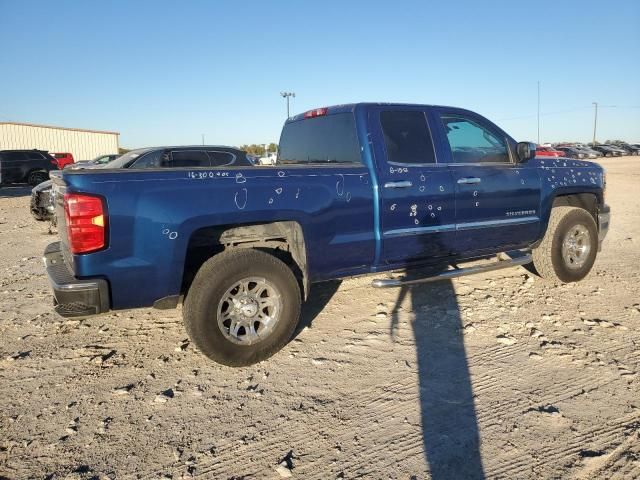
x: 587, y: 201
x: 283, y: 239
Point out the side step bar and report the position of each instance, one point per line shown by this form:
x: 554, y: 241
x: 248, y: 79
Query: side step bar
x: 448, y: 274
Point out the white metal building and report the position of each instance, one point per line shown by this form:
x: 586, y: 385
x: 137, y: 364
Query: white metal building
x: 82, y: 144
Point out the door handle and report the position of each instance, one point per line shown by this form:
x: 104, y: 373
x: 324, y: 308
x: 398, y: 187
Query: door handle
x: 402, y: 184
x: 469, y: 180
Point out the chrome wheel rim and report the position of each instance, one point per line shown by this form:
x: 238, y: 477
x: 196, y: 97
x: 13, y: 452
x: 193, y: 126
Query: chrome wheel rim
x: 249, y: 310
x: 576, y: 247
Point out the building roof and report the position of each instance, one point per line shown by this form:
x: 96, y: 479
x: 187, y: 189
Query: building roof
x: 59, y: 128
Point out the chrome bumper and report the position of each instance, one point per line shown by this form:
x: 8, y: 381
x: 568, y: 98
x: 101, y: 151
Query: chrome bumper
x: 604, y: 216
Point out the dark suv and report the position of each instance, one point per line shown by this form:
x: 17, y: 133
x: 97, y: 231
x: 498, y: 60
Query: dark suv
x: 30, y: 166
x: 42, y: 207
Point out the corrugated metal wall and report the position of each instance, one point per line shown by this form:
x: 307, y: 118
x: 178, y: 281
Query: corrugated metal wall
x: 84, y: 145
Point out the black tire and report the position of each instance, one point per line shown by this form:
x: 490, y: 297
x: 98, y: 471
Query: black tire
x: 548, y: 258
x: 215, y: 277
x: 37, y: 177
x: 38, y: 215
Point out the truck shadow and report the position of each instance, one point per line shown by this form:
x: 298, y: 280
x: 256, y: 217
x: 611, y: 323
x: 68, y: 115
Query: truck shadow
x: 450, y: 433
x: 12, y: 191
x: 319, y: 296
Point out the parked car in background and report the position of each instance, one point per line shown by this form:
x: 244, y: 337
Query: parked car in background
x: 548, y: 152
x: 25, y: 166
x: 607, y: 151
x: 41, y: 205
x: 100, y: 160
x: 583, y: 148
x: 629, y: 149
x: 590, y: 153
x: 571, y: 152
x: 617, y: 148
x: 63, y: 159
x: 268, y: 159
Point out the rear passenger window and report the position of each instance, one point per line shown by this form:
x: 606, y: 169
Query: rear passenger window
x: 188, y: 158
x: 14, y: 156
x: 471, y: 142
x: 151, y: 160
x: 34, y: 156
x: 324, y: 139
x: 407, y: 137
x: 219, y: 159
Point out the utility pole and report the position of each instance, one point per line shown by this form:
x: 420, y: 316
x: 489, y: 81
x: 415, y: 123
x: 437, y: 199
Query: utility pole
x: 538, y: 112
x: 287, y: 96
x: 595, y: 122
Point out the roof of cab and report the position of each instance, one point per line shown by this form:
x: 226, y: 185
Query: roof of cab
x: 350, y: 107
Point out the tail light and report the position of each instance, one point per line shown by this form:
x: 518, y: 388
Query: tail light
x: 86, y: 217
x: 318, y: 112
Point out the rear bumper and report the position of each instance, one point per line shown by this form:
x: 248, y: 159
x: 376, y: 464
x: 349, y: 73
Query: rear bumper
x: 604, y: 216
x: 73, y: 297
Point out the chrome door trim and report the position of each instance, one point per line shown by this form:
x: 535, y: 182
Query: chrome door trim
x: 496, y: 223
x: 469, y: 180
x: 460, y: 226
x: 418, y: 230
x: 401, y: 184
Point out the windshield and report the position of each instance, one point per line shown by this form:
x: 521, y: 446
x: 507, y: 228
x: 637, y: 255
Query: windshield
x: 125, y: 159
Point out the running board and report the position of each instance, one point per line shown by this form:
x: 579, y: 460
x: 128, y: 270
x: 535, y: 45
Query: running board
x: 446, y: 275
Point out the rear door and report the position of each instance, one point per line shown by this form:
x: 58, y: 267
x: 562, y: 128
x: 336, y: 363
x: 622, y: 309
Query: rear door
x: 497, y: 200
x: 14, y: 167
x: 417, y: 195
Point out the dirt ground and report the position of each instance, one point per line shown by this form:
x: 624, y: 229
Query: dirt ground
x: 497, y: 376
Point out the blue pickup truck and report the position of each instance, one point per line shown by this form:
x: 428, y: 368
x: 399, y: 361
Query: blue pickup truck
x: 356, y: 189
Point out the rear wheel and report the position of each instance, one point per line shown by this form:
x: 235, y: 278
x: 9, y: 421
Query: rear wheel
x: 569, y: 247
x: 37, y: 177
x: 243, y: 306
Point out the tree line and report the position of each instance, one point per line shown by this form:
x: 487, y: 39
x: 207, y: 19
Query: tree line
x: 258, y: 149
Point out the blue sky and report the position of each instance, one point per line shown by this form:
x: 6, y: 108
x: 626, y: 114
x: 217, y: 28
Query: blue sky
x: 165, y: 72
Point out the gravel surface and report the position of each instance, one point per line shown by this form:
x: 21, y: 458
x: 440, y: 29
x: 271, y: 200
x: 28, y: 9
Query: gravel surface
x: 499, y: 375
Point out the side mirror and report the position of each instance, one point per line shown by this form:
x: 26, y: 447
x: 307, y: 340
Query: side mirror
x: 526, y: 151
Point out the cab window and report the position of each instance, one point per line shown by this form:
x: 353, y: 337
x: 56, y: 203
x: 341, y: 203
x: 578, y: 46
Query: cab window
x: 472, y: 142
x: 320, y: 140
x: 407, y: 137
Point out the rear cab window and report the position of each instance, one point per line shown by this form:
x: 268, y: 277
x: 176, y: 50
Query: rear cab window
x: 326, y: 139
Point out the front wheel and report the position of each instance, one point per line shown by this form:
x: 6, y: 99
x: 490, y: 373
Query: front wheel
x: 569, y: 247
x: 243, y: 306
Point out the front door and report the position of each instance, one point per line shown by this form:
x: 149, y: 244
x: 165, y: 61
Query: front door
x: 497, y: 200
x: 416, y: 193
